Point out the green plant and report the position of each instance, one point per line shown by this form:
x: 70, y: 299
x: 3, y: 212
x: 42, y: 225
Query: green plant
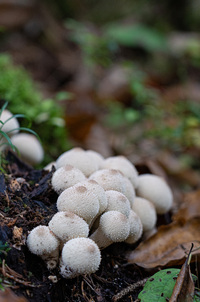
x: 46, y: 115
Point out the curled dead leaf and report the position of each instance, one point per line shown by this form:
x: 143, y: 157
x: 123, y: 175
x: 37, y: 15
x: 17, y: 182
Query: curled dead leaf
x: 168, y: 246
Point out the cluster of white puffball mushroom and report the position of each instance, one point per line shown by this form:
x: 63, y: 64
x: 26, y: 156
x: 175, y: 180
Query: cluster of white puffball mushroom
x: 100, y: 201
x: 28, y: 146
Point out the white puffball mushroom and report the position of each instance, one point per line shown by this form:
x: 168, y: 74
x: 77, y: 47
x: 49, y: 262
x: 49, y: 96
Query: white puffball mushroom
x: 146, y: 211
x: 117, y: 202
x: 65, y: 177
x: 124, y: 165
x: 109, y: 179
x: 97, y: 157
x: 129, y: 190
x: 42, y: 242
x: 155, y: 189
x: 113, y: 227
x: 136, y: 228
x: 78, y: 158
x: 29, y: 147
x: 67, y: 225
x: 79, y: 256
x: 79, y: 200
x: 10, y: 122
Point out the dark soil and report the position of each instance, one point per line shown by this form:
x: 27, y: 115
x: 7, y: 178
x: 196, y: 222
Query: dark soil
x: 27, y: 200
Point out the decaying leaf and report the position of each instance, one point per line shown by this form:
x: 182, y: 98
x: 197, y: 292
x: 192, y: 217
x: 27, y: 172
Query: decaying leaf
x: 184, y: 288
x: 168, y: 246
x: 8, y: 296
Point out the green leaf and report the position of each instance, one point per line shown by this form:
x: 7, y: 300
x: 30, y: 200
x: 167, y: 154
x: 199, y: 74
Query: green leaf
x: 159, y: 287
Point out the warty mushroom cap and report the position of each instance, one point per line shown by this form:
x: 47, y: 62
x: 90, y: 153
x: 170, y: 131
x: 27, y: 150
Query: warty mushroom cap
x: 65, y: 177
x: 136, y: 228
x: 124, y: 165
x: 67, y: 225
x: 29, y: 147
x: 11, y: 123
x: 117, y: 202
x: 146, y: 211
x: 155, y: 189
x: 78, y: 158
x: 79, y: 200
x: 109, y: 179
x: 113, y: 227
x: 42, y: 242
x: 79, y: 256
x: 97, y: 157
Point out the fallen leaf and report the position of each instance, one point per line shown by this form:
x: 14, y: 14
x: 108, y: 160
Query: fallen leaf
x: 167, y: 247
x: 7, y: 295
x: 184, y: 288
x: 190, y: 207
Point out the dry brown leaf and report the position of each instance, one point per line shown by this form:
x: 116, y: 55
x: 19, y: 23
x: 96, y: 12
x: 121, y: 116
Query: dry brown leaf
x: 184, y: 288
x: 167, y: 247
x: 190, y: 207
x: 8, y: 296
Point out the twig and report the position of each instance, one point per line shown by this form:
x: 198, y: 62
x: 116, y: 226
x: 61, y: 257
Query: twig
x: 128, y: 289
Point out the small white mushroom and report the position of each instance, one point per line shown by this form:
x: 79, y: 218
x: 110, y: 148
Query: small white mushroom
x: 136, y: 228
x: 124, y: 165
x: 146, y: 211
x: 78, y: 158
x: 118, y: 202
x: 99, y: 159
x: 155, y: 189
x: 10, y: 122
x: 109, y: 179
x: 42, y: 242
x: 67, y: 225
x: 29, y: 147
x: 79, y: 200
x: 65, y: 177
x: 113, y: 227
x: 79, y: 256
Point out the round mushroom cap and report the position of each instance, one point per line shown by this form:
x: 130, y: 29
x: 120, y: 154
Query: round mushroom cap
x: 146, y: 211
x: 109, y: 179
x: 117, y: 202
x: 79, y: 200
x: 136, y: 228
x: 97, y: 157
x: 114, y: 225
x: 78, y: 158
x: 155, y: 189
x: 29, y: 147
x: 65, y: 177
x: 129, y: 190
x: 67, y: 225
x: 124, y: 165
x: 11, y: 123
x: 41, y: 241
x: 79, y: 256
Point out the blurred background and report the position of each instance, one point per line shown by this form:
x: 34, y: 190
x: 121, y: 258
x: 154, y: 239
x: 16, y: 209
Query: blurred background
x: 118, y: 77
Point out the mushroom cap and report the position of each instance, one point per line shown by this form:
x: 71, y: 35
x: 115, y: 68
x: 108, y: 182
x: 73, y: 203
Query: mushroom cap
x: 29, y: 147
x: 67, y: 225
x: 155, y: 189
x: 124, y: 165
x: 79, y: 200
x: 114, y: 225
x: 146, y: 211
x: 99, y: 192
x: 99, y: 159
x: 79, y: 256
x: 109, y: 179
x: 117, y: 202
x: 129, y: 190
x: 65, y: 177
x: 11, y: 124
x: 78, y: 158
x: 136, y: 228
x: 41, y: 241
